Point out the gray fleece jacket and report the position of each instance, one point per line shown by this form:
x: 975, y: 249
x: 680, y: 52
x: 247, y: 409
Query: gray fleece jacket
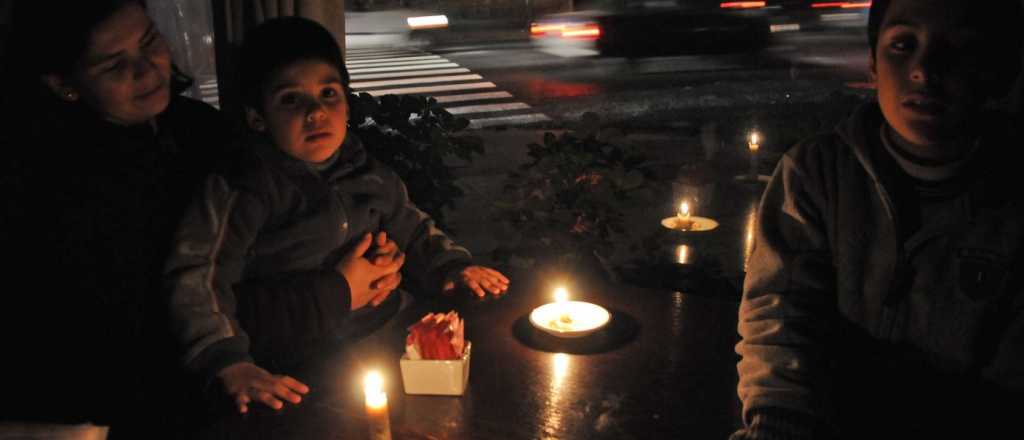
x: 253, y: 264
x: 831, y: 248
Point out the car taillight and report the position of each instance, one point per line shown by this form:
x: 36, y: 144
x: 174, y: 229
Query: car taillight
x: 586, y: 31
x: 841, y: 5
x: 574, y: 31
x: 742, y: 5
x: 540, y: 30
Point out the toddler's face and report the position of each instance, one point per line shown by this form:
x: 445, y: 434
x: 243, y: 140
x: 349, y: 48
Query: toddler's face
x: 305, y: 111
x: 930, y: 70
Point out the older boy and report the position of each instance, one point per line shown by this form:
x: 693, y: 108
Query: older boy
x: 884, y: 296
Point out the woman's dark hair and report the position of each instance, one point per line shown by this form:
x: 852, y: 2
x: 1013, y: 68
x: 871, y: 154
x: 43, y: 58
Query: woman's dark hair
x: 50, y: 38
x: 279, y: 42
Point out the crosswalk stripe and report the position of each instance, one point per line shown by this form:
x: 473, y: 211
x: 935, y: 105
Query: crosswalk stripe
x: 385, y: 60
x: 472, y: 97
x: 508, y: 120
x: 407, y: 81
x: 486, y: 108
x: 402, y: 63
x: 408, y: 74
x: 401, y: 68
x: 367, y: 52
x: 431, y: 89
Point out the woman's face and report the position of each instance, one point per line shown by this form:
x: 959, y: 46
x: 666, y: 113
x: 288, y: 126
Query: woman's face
x: 125, y: 71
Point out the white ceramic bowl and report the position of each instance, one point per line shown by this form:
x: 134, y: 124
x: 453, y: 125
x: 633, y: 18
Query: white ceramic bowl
x: 569, y: 319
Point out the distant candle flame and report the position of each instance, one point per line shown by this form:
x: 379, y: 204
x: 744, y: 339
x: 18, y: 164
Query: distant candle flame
x: 561, y: 294
x: 755, y: 141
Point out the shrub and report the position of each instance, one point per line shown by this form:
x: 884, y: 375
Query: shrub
x: 415, y: 136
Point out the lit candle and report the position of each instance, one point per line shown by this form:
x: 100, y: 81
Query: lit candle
x: 754, y: 146
x: 376, y: 407
x: 562, y: 299
x: 754, y: 141
x: 683, y: 216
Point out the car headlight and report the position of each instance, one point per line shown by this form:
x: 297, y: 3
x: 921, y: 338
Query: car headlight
x: 427, y: 22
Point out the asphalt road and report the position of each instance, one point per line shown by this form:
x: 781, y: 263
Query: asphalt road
x: 516, y: 83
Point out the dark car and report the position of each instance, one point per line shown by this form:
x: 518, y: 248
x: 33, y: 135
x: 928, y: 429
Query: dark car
x: 818, y: 15
x: 646, y: 28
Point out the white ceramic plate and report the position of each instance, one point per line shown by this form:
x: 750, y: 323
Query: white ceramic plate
x: 584, y: 318
x: 699, y: 224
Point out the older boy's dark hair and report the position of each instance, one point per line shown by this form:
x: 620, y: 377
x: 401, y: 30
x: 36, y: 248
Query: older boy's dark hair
x: 999, y: 20
x: 278, y: 42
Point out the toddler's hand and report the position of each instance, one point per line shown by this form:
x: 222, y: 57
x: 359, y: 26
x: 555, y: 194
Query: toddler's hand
x: 367, y: 281
x: 478, y: 279
x: 246, y: 382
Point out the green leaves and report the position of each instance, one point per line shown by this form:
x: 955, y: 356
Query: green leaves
x: 571, y: 200
x: 414, y: 135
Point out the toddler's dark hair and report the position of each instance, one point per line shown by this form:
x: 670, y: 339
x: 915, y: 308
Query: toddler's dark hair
x: 1000, y: 21
x: 279, y: 42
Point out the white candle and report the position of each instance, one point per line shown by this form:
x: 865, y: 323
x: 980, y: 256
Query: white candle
x: 754, y: 141
x: 562, y: 299
x: 683, y: 216
x: 377, y: 419
x: 754, y: 146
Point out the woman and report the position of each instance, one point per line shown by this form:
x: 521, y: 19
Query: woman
x: 106, y: 155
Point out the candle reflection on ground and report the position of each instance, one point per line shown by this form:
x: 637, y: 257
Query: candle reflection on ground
x: 683, y: 254
x: 748, y: 241
x: 556, y: 409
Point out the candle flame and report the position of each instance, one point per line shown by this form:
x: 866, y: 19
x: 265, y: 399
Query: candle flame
x: 373, y: 385
x: 755, y: 140
x: 684, y: 209
x: 561, y: 294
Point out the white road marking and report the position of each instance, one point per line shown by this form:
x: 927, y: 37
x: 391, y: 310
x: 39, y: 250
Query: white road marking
x: 472, y: 97
x: 486, y: 108
x: 408, y: 74
x: 431, y: 89
x: 508, y: 120
x: 401, y: 68
x: 408, y: 81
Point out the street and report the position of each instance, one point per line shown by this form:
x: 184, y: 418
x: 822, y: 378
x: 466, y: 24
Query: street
x: 515, y: 83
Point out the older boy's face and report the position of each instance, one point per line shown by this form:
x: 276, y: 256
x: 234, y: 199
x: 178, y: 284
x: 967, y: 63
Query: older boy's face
x: 930, y: 72
x: 305, y: 111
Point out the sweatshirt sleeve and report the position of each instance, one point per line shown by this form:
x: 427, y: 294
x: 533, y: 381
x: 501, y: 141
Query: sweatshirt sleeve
x: 788, y: 298
x: 287, y: 316
x: 205, y: 263
x: 431, y: 254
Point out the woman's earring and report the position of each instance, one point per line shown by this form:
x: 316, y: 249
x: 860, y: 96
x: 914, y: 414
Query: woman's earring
x: 70, y: 95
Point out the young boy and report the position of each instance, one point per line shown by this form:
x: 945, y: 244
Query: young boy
x: 290, y: 227
x: 884, y: 296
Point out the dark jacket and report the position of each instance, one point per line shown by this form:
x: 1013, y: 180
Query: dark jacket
x: 91, y: 212
x: 829, y: 284
x: 261, y: 243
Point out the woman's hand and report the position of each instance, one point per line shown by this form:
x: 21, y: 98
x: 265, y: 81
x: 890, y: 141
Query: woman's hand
x: 479, y: 279
x: 383, y: 253
x: 245, y: 382
x: 367, y: 281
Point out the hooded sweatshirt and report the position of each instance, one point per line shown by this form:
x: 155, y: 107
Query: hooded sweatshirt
x: 859, y: 270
